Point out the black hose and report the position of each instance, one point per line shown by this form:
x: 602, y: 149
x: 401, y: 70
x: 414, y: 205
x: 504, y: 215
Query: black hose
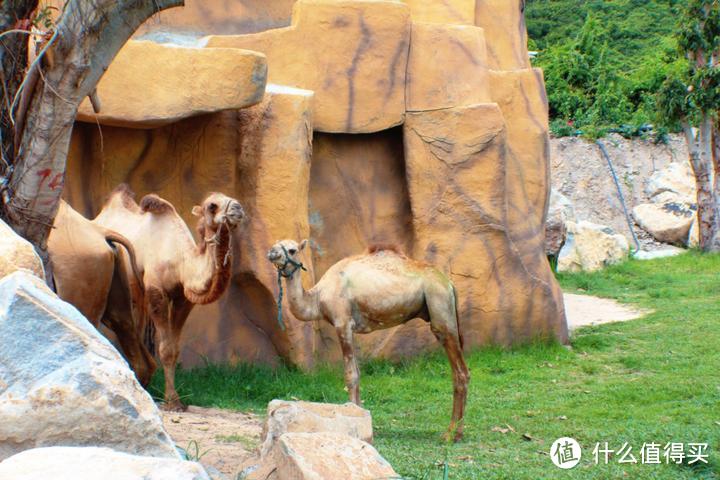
x: 620, y: 194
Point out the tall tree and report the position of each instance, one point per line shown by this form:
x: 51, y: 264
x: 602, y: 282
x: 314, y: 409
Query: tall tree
x: 691, y: 98
x: 40, y: 103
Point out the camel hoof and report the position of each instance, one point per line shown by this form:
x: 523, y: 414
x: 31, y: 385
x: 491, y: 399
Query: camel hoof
x: 174, y: 406
x: 448, y: 436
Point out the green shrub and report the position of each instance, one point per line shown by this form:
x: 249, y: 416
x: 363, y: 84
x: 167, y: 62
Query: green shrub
x: 603, y: 62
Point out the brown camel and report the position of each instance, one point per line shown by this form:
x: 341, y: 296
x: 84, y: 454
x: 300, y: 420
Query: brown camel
x: 87, y: 272
x: 177, y: 273
x: 379, y: 289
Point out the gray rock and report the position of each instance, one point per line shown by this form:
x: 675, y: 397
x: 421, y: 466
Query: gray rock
x: 62, y: 382
x: 560, y: 211
x: 93, y: 463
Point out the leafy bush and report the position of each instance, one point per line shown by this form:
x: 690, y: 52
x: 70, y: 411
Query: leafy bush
x: 603, y: 61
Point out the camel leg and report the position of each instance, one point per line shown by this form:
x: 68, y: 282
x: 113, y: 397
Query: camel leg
x: 119, y: 317
x: 158, y: 311
x: 444, y: 325
x: 352, y: 372
x: 179, y: 311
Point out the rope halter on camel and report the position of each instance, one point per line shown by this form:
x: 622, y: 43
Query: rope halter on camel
x: 215, y: 239
x: 282, y: 273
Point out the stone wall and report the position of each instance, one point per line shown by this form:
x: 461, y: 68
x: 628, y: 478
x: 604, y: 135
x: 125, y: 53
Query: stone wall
x: 396, y: 122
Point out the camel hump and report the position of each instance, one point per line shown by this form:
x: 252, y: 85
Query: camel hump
x: 125, y: 195
x: 154, y: 204
x: 385, y: 247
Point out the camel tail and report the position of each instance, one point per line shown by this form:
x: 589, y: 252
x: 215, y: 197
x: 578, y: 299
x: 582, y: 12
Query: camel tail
x: 457, y: 319
x: 115, y: 237
x: 146, y: 325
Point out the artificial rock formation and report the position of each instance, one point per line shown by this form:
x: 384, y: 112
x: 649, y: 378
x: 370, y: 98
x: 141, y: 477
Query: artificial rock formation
x: 155, y: 94
x: 352, y: 54
x: 418, y: 123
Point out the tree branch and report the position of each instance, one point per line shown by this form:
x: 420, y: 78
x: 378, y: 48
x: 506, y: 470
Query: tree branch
x: 88, y: 36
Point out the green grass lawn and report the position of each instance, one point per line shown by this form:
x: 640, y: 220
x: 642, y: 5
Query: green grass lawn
x: 656, y: 379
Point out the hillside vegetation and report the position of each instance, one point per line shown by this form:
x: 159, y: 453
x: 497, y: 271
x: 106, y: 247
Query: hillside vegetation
x: 603, y: 60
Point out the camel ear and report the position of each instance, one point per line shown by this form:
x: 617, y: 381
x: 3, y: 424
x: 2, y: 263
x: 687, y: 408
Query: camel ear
x: 197, y: 210
x: 303, y: 244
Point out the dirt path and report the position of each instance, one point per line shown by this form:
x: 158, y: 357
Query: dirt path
x: 584, y: 310
x: 223, y: 438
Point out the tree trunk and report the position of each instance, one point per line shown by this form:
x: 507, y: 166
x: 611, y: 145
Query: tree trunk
x: 701, y: 150
x: 715, y: 242
x: 87, y: 37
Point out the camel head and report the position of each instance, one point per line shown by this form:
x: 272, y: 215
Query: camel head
x: 285, y: 255
x: 219, y: 209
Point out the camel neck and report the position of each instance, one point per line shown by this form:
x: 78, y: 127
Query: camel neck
x: 206, y: 273
x: 303, y: 304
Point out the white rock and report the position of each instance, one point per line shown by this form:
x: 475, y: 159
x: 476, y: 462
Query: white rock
x: 321, y: 456
x: 93, y: 463
x: 666, y: 222
x: 675, y: 183
x: 591, y: 247
x: 662, y: 253
x: 309, y: 417
x: 62, y: 383
x: 16, y: 253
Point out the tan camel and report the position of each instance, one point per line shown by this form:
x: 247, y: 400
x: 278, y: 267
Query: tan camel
x: 379, y: 289
x: 177, y: 273
x: 87, y: 273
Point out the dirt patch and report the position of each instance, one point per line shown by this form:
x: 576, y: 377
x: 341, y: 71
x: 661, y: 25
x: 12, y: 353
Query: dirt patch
x: 223, y: 438
x: 585, y: 310
x: 581, y: 173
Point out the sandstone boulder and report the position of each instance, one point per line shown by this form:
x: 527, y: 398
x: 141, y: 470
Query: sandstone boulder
x: 321, y: 456
x: 675, y: 183
x: 667, y: 222
x: 93, y: 463
x: 62, y: 383
x: 591, y: 247
x: 16, y: 253
x: 307, y: 417
x: 150, y: 84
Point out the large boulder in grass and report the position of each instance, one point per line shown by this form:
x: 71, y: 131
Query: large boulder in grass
x: 321, y: 456
x: 308, y: 417
x: 93, y: 463
x: 667, y: 222
x: 16, y: 253
x: 591, y: 247
x: 62, y: 383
